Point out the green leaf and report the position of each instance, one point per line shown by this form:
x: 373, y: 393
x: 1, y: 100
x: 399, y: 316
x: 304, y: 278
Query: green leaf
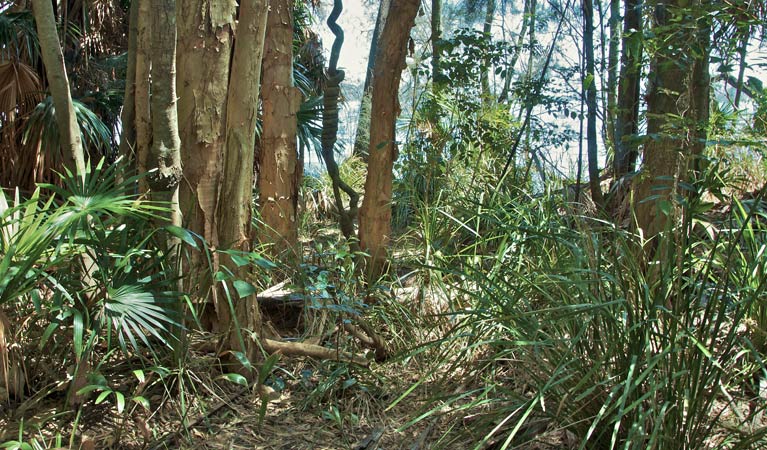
x: 141, y: 401
x: 183, y: 234
x: 243, y: 288
x: 102, y: 396
x: 120, y: 398
x: 239, y: 260
x: 235, y: 378
x: 139, y: 375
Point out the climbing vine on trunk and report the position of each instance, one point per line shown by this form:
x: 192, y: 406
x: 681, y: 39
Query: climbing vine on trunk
x: 330, y: 128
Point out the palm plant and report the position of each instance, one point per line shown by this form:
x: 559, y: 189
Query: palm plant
x: 85, y: 258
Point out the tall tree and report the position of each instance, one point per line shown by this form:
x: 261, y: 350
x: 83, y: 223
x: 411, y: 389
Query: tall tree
x: 362, y: 137
x: 164, y: 157
x: 234, y: 214
x: 487, y: 30
x: 205, y: 37
x: 375, y: 214
x: 627, y: 109
x: 278, y: 176
x: 590, y: 85
x: 677, y: 114
x: 614, y: 24
x: 53, y: 59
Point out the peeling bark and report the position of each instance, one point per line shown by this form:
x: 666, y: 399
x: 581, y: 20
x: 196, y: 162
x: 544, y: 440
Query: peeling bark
x: 375, y: 214
x: 278, y: 176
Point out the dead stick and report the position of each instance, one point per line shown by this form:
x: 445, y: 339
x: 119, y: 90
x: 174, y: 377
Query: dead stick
x: 311, y: 350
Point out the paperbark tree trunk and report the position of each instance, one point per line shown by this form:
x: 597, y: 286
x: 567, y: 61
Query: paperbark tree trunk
x: 278, y: 177
x: 677, y: 111
x: 128, y: 115
x: 142, y: 114
x: 362, y: 138
x: 375, y: 214
x: 234, y: 213
x: 165, y: 156
x: 53, y: 59
x: 205, y: 29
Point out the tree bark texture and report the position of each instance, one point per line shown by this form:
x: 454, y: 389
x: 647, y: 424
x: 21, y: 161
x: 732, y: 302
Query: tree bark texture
x: 375, y: 214
x: 362, y: 137
x: 50, y: 49
x: 278, y: 176
x: 165, y: 157
x: 677, y: 115
x: 234, y: 211
x: 205, y: 30
x: 128, y: 114
x: 141, y: 94
x: 205, y: 36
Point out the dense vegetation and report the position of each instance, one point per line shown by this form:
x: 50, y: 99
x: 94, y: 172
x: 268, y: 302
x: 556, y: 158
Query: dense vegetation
x: 551, y: 231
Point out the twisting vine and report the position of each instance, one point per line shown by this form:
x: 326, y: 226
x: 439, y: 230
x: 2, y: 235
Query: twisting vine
x: 330, y: 127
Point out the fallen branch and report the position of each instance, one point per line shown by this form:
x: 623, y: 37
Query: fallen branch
x: 311, y: 350
x: 368, y: 338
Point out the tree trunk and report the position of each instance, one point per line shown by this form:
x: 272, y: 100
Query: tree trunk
x: 128, y: 115
x: 56, y: 72
x: 165, y: 156
x: 436, y: 37
x: 278, y: 176
x: 234, y: 214
x: 362, y: 137
x: 627, y: 109
x: 591, y: 102
x: 204, y: 52
x: 375, y: 214
x: 141, y: 94
x: 677, y: 111
x: 612, y: 69
x: 528, y: 21
x: 487, y: 30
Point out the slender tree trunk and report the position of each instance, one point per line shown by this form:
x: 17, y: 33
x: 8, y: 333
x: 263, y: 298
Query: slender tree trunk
x: 128, y: 115
x: 677, y: 111
x: 742, y: 51
x: 141, y: 94
x: 591, y: 103
x: 375, y: 214
x: 278, y: 176
x: 627, y: 114
x: 205, y: 29
x: 53, y: 59
x: 528, y: 20
x: 234, y: 213
x: 165, y: 156
x: 487, y: 30
x: 436, y: 37
x: 362, y: 137
x: 612, y: 69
